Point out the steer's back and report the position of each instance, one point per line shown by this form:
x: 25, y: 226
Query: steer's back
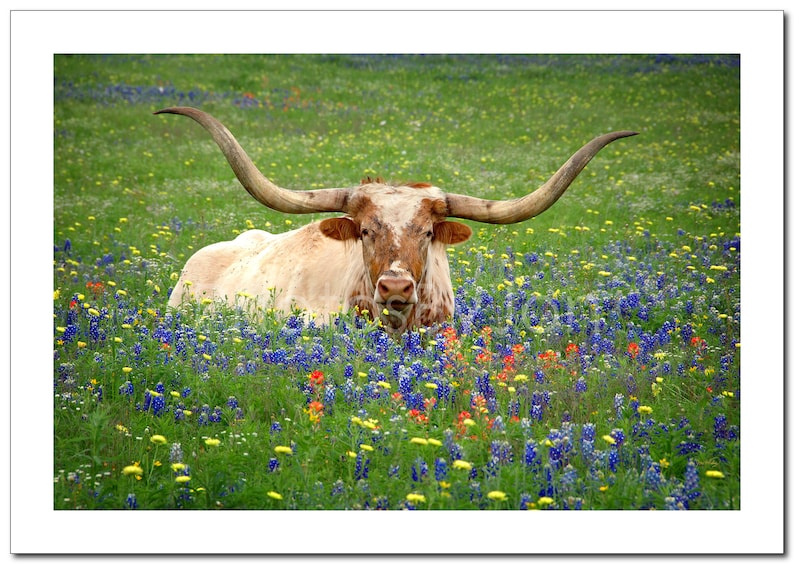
x: 299, y: 269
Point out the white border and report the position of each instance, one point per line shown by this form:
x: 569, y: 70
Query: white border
x: 36, y: 36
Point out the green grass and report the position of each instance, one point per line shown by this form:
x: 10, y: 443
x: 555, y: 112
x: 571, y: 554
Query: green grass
x: 643, y: 251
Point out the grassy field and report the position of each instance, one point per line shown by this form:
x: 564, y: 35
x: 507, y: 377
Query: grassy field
x: 593, y: 361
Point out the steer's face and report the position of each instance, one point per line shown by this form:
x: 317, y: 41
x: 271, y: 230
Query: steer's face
x: 396, y: 226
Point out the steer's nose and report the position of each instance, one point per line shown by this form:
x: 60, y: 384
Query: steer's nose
x: 399, y: 289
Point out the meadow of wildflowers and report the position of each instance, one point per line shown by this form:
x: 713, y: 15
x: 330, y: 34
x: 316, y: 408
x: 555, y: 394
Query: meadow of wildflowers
x: 593, y: 361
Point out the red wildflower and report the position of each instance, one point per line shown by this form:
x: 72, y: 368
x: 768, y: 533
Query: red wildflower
x: 549, y: 359
x: 417, y: 416
x: 699, y: 344
x: 633, y: 349
x: 95, y: 287
x: 483, y: 357
x: 315, y: 411
x: 449, y: 334
x: 571, y: 349
x: 316, y: 407
x: 317, y: 378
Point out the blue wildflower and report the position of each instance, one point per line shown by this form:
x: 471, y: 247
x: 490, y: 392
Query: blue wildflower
x: 440, y: 469
x: 131, y: 502
x: 126, y: 389
x: 691, y: 481
x: 614, y: 459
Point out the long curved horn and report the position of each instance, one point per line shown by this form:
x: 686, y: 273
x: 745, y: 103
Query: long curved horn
x: 262, y: 189
x: 534, y: 203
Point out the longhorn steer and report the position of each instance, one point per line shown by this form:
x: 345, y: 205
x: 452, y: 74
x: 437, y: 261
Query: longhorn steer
x: 387, y: 255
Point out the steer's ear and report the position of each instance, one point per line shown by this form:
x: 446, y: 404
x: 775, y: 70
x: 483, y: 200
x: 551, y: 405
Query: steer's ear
x: 451, y: 232
x: 340, y: 228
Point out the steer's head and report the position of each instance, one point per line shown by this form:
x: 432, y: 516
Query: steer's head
x: 396, y: 226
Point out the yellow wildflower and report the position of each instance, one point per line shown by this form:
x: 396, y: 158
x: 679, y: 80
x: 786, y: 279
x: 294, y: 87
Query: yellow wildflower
x: 415, y: 498
x: 132, y: 470
x: 496, y: 495
x: 462, y: 465
x: 158, y: 439
x: 283, y: 450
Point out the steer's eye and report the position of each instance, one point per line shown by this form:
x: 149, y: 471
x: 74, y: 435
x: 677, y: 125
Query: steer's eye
x: 429, y: 234
x: 364, y: 232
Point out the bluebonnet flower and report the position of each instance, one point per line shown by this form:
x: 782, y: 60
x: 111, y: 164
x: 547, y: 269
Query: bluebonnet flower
x: 273, y: 464
x: 687, y: 447
x: 531, y: 457
x: 614, y: 459
x: 70, y: 333
x: 721, y: 429
x: 126, y: 389
x: 203, y: 418
x: 419, y: 470
x: 131, y: 502
x: 216, y: 416
x: 691, y: 481
x: 502, y: 452
x: 440, y: 469
x: 573, y: 503
x: 93, y: 328
x: 568, y: 478
x: 175, y: 453
x: 672, y: 503
x: 653, y: 476
x: 581, y: 385
x: 338, y: 488
x: 362, y: 467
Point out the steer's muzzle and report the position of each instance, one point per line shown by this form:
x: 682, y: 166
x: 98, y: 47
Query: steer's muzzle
x: 397, y: 291
x: 395, y: 296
